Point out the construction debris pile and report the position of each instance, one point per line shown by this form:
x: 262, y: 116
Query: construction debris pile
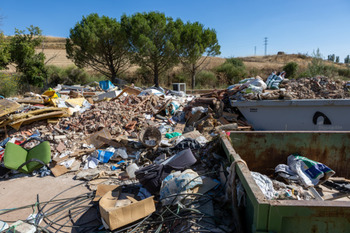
x: 286, y: 89
x: 132, y: 146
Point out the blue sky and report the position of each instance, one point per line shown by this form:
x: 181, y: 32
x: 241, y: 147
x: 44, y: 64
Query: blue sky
x: 298, y: 26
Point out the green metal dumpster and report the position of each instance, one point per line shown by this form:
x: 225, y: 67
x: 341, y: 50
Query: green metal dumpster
x: 262, y: 152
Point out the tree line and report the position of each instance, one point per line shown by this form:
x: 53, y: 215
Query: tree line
x: 333, y: 58
x: 151, y: 40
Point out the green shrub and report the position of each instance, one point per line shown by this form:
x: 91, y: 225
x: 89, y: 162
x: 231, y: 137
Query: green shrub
x: 181, y: 77
x: 291, y: 69
x: 9, y: 85
x: 235, y: 61
x: 70, y: 75
x: 344, y: 72
x: 232, y: 73
x: 304, y: 74
x: 206, y: 79
x: 143, y: 77
x: 318, y: 67
x: 233, y: 70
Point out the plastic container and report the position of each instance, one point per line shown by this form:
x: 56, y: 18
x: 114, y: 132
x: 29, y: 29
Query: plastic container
x: 131, y: 170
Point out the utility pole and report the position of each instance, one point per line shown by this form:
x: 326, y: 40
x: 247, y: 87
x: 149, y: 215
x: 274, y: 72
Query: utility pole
x: 254, y: 50
x: 265, y: 43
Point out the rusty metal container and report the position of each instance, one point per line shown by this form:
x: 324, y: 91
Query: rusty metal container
x: 262, y: 151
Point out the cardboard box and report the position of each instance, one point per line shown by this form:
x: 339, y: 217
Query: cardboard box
x: 118, y: 217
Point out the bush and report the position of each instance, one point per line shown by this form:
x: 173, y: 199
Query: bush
x: 344, y: 72
x: 232, y: 73
x: 181, y: 77
x: 9, y: 85
x: 235, y: 61
x: 205, y: 79
x: 70, y: 75
x: 143, y: 77
x: 291, y: 69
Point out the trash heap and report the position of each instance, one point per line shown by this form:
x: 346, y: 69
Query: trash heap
x: 152, y: 153
x: 302, y: 179
x: 276, y: 87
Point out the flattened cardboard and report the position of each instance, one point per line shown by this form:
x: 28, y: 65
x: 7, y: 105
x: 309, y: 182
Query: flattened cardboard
x: 118, y: 217
x: 179, y: 127
x: 93, y: 139
x: 102, y: 189
x: 192, y: 134
x: 58, y: 170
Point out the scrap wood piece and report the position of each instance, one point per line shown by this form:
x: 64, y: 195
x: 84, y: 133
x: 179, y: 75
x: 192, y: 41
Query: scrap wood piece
x: 244, y: 128
x: 228, y: 127
x: 8, y: 106
x: 30, y: 101
x: 194, y: 118
x: 17, y: 124
x: 163, y: 107
x: 58, y: 170
x: 129, y: 90
x: 223, y: 121
x: 130, y: 125
x: 29, y: 114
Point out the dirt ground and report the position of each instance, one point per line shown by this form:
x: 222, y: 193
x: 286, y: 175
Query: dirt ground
x: 24, y: 191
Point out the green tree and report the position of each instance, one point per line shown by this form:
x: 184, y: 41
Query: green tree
x: 197, y: 41
x: 291, y: 69
x: 99, y: 42
x: 331, y: 57
x: 347, y: 59
x: 154, y: 40
x: 337, y: 59
x: 22, y: 53
x: 4, y: 52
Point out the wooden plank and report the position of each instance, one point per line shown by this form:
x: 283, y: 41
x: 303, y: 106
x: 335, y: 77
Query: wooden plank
x: 8, y: 106
x: 17, y: 124
x: 30, y: 101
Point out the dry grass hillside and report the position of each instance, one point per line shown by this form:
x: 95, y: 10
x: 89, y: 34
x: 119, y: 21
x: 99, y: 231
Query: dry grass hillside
x: 54, y: 49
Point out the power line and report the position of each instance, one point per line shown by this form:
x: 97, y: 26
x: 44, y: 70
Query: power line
x: 265, y: 43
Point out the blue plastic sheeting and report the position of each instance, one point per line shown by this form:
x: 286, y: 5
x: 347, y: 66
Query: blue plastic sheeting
x: 106, y: 85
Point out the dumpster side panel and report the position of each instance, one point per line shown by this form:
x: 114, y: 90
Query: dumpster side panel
x: 253, y: 215
x: 263, y: 151
x: 292, y: 219
x: 319, y: 114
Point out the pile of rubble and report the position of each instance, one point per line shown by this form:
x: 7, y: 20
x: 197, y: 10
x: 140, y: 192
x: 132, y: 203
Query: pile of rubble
x: 287, y: 89
x: 115, y: 140
x: 316, y: 88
